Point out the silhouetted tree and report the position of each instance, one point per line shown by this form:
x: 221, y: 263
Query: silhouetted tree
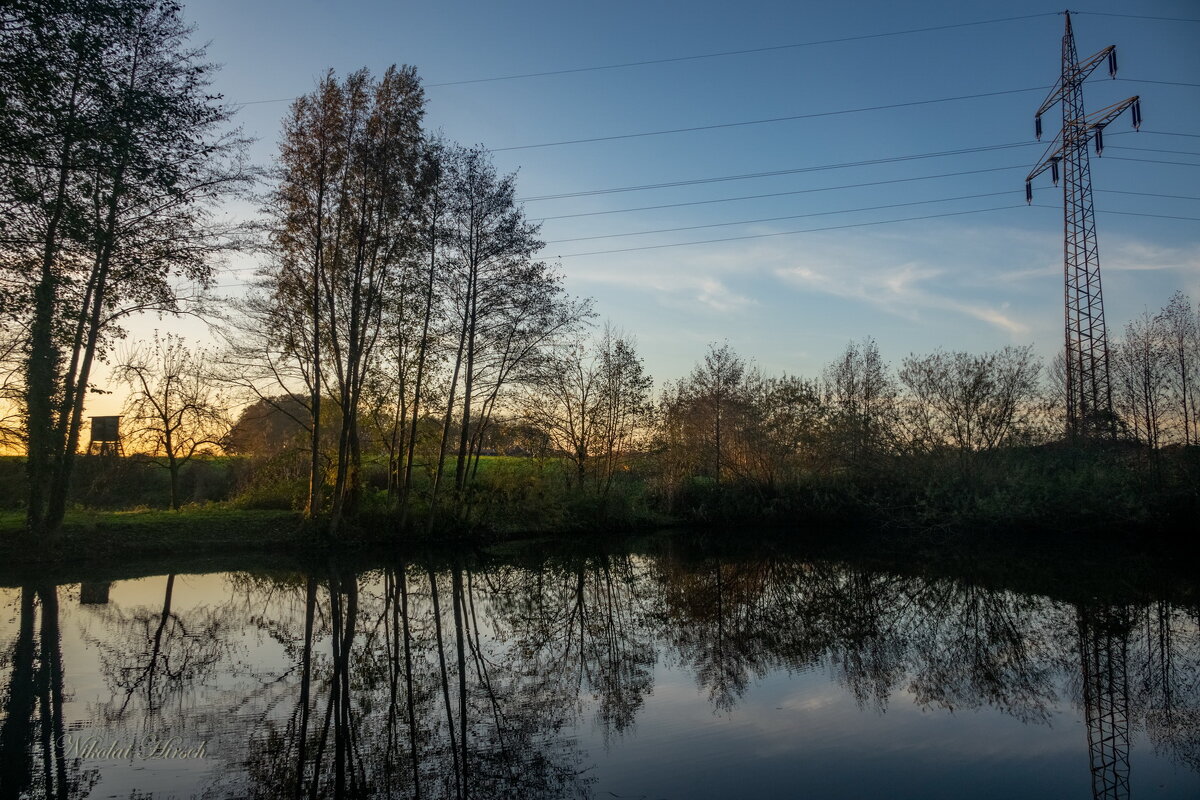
x: 1141, y: 368
x: 969, y: 403
x: 172, y: 407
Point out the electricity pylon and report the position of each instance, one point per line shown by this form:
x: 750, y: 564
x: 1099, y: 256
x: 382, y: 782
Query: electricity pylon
x: 1104, y: 655
x: 1088, y: 388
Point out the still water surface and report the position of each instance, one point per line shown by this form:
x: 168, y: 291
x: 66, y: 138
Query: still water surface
x: 658, y: 672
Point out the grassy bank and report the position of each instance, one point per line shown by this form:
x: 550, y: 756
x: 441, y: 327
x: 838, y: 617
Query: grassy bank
x: 104, y: 535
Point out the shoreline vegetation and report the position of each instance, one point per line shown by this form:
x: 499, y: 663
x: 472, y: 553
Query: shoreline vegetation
x: 1032, y: 498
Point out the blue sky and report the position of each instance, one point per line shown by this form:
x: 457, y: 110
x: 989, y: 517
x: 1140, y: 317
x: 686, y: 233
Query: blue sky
x: 974, y: 281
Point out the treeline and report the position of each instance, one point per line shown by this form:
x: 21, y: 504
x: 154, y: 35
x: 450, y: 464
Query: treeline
x: 942, y: 440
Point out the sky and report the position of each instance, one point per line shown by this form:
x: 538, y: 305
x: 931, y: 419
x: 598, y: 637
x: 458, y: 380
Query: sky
x: 923, y: 249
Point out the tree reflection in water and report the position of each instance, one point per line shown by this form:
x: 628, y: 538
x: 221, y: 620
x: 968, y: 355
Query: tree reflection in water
x: 471, y: 677
x: 33, y: 761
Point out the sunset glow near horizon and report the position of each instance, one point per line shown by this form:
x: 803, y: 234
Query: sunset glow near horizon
x: 917, y: 250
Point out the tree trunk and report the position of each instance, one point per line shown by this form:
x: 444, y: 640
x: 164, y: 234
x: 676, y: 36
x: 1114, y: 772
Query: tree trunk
x: 41, y: 368
x: 460, y: 474
x: 422, y: 351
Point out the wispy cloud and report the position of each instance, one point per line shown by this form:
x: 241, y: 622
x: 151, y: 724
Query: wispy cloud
x: 677, y: 281
x: 905, y: 290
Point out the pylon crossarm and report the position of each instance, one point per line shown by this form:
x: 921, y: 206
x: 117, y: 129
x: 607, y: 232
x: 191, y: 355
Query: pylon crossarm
x: 1051, y: 99
x: 1098, y: 119
x: 1085, y: 68
x: 1053, y: 153
x: 1080, y: 73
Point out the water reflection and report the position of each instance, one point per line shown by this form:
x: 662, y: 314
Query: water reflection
x: 533, y: 674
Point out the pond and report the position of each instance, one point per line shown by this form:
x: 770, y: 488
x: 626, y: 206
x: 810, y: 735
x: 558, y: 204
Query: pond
x: 660, y: 669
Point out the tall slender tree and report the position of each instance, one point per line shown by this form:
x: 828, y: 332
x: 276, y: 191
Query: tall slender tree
x: 344, y: 223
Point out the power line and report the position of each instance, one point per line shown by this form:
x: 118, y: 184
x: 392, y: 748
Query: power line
x: 1170, y: 133
x: 1152, y: 194
x: 769, y: 120
x: 1156, y: 150
x: 806, y: 230
x: 1160, y: 83
x: 727, y: 53
x: 1152, y: 161
x: 701, y: 56
x: 780, y: 194
x: 865, y: 208
x: 772, y: 173
x: 839, y: 227
x: 778, y: 219
x: 797, y: 170
x: 851, y: 210
x: 1135, y: 16
x: 1138, y: 214
x: 832, y: 188
x: 793, y: 117
x: 786, y: 233
x: 753, y: 50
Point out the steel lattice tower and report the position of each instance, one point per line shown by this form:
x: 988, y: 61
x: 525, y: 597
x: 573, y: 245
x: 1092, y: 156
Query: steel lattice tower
x: 1088, y: 387
x: 1104, y: 655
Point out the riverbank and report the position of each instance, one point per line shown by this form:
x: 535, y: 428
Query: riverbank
x: 875, y: 524
x: 108, y: 535
x: 1065, y: 567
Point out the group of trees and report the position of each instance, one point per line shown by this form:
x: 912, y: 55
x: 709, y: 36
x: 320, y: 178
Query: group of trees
x: 401, y: 286
x: 730, y: 423
x: 1155, y: 368
x: 935, y: 417
x: 113, y: 156
x: 400, y: 282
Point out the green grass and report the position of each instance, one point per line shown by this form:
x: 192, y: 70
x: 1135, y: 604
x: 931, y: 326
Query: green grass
x: 109, y: 534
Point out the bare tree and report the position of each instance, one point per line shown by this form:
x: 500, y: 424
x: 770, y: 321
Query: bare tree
x: 490, y: 243
x: 592, y: 399
x: 782, y: 432
x: 505, y: 307
x: 969, y: 402
x: 1142, y: 369
x: 707, y: 407
x: 12, y: 390
x: 623, y: 405
x: 343, y: 227
x: 562, y: 401
x: 172, y: 406
x: 861, y: 395
x: 1181, y: 339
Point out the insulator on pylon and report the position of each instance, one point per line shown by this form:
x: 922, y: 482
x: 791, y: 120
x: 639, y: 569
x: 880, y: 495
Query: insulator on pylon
x: 1028, y: 192
x: 1112, y: 63
x: 1099, y: 141
x: 1137, y: 114
x: 1037, y: 126
x: 1054, y: 170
